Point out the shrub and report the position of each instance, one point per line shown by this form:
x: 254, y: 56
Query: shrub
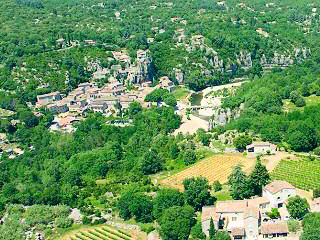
x: 217, y: 186
x: 86, y: 220
x: 63, y: 222
x: 293, y: 225
x: 274, y: 214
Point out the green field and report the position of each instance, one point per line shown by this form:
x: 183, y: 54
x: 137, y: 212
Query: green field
x: 100, y: 233
x: 181, y: 93
x: 302, y: 173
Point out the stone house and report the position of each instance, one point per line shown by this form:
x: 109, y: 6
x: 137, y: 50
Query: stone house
x: 166, y: 83
x: 58, y: 107
x: 247, y: 219
x: 278, y: 192
x: 48, y: 98
x: 261, y: 148
x: 98, y: 106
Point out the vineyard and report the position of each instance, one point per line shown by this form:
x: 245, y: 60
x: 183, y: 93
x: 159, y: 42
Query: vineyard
x: 213, y: 168
x: 302, y: 173
x: 101, y: 233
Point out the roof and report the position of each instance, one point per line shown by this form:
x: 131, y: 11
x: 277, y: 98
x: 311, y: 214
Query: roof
x: 231, y: 206
x: 251, y: 212
x: 237, y: 231
x: 49, y: 94
x: 269, y: 228
x: 315, y: 206
x: 261, y: 144
x: 259, y: 200
x: 277, y: 185
x: 209, y: 212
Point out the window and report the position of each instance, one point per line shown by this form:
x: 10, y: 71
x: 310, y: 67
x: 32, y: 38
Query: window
x: 289, y: 195
x: 234, y: 219
x: 278, y: 198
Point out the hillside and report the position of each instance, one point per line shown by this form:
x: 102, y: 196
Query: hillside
x: 57, y: 44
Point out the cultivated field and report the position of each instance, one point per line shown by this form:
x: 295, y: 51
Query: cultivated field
x: 213, y: 168
x: 100, y: 233
x: 301, y: 173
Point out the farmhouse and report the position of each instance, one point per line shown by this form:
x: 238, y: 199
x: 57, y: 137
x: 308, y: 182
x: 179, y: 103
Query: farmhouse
x: 47, y: 98
x: 166, y: 83
x: 247, y: 219
x: 278, y: 192
x: 261, y: 148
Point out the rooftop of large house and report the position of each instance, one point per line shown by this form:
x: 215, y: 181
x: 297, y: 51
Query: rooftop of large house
x: 209, y: 212
x: 278, y: 185
x: 270, y: 228
x: 240, y: 205
x: 48, y: 95
x: 261, y: 144
x: 251, y: 212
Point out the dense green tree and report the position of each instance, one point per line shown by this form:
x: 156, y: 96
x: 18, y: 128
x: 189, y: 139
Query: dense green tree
x: 165, y: 199
x: 196, y: 232
x: 176, y: 223
x: 151, y: 162
x: 242, y: 141
x: 134, y: 108
x: 259, y: 177
x: 240, y: 185
x: 222, y: 236
x: 189, y: 157
x: 197, y: 192
x: 311, y: 230
x: 298, y: 207
x: 217, y: 186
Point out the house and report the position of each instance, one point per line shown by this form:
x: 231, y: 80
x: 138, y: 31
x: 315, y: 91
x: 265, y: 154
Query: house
x: 315, y: 205
x: 278, y: 192
x: 247, y: 219
x: 48, y: 98
x: 270, y: 230
x: 58, y: 107
x: 98, y: 106
x: 166, y: 83
x: 261, y: 148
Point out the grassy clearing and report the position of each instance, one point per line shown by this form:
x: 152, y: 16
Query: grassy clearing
x: 288, y: 106
x: 224, y: 194
x: 181, y: 93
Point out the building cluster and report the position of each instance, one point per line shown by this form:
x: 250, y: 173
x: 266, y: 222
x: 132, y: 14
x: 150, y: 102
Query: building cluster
x: 88, y: 96
x: 248, y: 219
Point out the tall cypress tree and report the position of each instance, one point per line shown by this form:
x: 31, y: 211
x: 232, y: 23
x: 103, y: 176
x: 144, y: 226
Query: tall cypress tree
x: 259, y: 177
x: 212, y: 230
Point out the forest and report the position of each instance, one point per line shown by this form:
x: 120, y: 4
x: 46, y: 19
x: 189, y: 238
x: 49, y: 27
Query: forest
x: 264, y: 112
x: 44, y: 48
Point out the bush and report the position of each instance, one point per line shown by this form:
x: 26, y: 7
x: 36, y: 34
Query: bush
x: 217, y: 186
x: 316, y: 151
x: 86, y: 220
x: 274, y: 214
x: 293, y: 225
x: 63, y: 222
x: 316, y: 193
x: 147, y: 228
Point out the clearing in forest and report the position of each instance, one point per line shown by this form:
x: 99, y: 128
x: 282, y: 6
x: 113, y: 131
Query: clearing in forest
x: 213, y: 168
x: 302, y: 173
